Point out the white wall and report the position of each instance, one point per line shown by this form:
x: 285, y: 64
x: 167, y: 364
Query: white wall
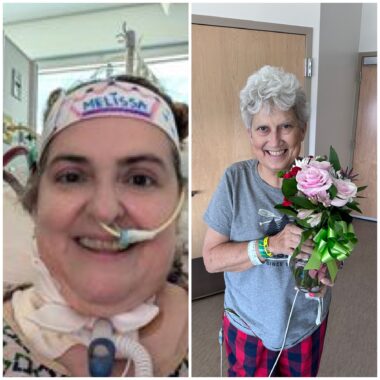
x: 292, y: 14
x: 307, y: 15
x: 337, y: 79
x: 14, y: 58
x: 368, y: 31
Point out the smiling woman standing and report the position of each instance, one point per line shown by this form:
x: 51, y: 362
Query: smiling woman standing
x: 242, y: 220
x: 109, y: 163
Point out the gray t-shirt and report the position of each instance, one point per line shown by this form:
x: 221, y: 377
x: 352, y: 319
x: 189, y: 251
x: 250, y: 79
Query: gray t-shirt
x: 242, y: 208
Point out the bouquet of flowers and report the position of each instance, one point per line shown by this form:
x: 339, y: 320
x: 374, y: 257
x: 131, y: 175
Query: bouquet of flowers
x: 320, y: 196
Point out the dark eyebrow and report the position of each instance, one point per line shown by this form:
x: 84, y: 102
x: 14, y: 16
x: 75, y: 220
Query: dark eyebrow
x: 150, y: 158
x: 290, y: 121
x: 69, y: 157
x: 129, y: 160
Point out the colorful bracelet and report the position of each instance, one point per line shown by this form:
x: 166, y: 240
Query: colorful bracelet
x: 252, y: 253
x: 264, y: 248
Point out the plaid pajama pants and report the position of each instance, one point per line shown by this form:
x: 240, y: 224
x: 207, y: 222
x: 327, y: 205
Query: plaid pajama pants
x: 247, y: 356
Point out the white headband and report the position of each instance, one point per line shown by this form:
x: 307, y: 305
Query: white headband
x: 109, y: 98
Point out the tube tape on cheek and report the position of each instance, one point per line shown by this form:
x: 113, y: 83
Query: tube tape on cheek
x: 110, y: 98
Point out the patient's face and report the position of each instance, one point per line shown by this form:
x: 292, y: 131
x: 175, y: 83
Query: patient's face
x: 110, y: 170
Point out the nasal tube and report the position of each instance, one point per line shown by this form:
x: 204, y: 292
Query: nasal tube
x: 130, y: 236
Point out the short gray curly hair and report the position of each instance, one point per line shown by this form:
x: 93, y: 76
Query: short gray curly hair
x: 272, y: 87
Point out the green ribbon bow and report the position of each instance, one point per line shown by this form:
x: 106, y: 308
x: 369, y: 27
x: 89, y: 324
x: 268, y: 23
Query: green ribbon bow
x: 332, y: 244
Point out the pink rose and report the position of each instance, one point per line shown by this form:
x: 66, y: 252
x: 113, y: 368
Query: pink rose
x: 325, y: 165
x: 311, y: 181
x: 324, y: 198
x: 346, y: 191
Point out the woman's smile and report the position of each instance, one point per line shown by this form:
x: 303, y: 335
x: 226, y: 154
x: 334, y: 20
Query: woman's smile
x: 276, y: 153
x: 100, y: 245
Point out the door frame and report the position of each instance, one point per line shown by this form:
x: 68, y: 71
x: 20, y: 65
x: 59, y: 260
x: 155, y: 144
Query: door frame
x: 361, y: 56
x: 266, y: 27
x: 215, y: 281
x: 357, y: 94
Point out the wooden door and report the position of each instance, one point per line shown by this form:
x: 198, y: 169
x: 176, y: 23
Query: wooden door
x: 222, y: 60
x: 365, y: 150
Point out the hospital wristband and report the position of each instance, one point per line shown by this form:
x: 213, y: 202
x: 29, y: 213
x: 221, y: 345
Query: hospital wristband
x: 252, y: 253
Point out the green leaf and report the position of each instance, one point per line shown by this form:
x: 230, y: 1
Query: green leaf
x: 306, y: 234
x: 338, y: 229
x: 334, y: 160
x: 281, y: 173
x: 334, y: 217
x: 303, y: 202
x: 286, y: 210
x: 303, y: 223
x: 289, y: 187
x: 361, y: 188
x: 333, y: 191
x: 345, y: 214
x: 353, y: 206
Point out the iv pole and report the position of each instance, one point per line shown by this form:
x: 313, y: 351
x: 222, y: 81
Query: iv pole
x: 134, y: 63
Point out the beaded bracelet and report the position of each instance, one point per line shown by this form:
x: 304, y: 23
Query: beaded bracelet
x: 264, y: 248
x: 252, y: 254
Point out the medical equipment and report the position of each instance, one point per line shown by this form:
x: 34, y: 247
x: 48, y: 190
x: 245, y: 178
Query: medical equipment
x: 105, y: 345
x: 102, y: 350
x: 286, y: 333
x: 220, y: 339
x: 130, y: 236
